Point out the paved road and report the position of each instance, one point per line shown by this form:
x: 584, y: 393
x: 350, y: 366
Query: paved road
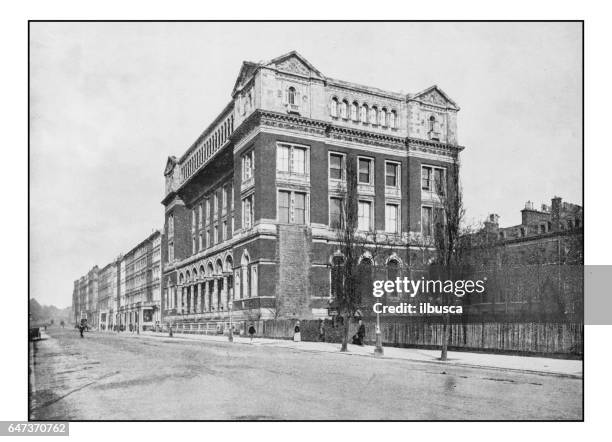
x: 119, y: 377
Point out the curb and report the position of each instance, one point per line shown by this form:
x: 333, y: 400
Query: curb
x: 445, y: 363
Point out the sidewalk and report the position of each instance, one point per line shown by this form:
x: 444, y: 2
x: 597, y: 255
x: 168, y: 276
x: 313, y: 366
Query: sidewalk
x: 526, y: 364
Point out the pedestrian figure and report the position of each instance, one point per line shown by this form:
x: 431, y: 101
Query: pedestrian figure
x: 321, y: 331
x: 361, y: 331
x: 252, y: 332
x: 82, y: 326
x: 297, y: 336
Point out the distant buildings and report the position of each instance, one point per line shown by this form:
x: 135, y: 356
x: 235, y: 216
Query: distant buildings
x: 139, y: 285
x: 125, y: 293
x: 534, y: 270
x: 85, y: 297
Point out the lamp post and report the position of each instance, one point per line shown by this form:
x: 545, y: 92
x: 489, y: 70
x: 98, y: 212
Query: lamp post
x: 378, y: 351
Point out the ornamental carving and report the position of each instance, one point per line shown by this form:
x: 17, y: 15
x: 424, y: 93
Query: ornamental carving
x: 293, y: 65
x: 434, y: 97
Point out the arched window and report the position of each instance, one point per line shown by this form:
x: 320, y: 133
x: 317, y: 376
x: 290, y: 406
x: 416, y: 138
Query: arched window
x: 291, y: 95
x: 383, y: 117
x: 392, y: 119
x: 344, y: 109
x: 354, y: 108
x: 363, y: 114
x: 334, y: 107
x: 366, y: 277
x: 374, y: 115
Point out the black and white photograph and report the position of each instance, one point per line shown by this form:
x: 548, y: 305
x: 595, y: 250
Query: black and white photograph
x: 266, y: 221
x: 382, y: 221
x: 294, y: 221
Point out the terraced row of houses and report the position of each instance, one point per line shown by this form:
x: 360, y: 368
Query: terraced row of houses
x: 125, y: 294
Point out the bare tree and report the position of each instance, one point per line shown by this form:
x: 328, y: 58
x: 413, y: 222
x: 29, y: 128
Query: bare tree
x: 360, y: 253
x: 449, y: 248
x: 344, y: 268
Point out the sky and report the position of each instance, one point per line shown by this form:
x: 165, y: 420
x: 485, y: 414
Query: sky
x: 109, y: 102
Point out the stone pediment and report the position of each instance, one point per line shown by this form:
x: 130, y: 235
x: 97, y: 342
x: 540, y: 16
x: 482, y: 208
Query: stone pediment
x: 291, y: 63
x: 170, y: 164
x: 436, y: 97
x: 294, y: 63
x: 246, y: 72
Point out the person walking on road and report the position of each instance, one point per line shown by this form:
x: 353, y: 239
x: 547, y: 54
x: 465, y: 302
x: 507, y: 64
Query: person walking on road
x: 82, y: 326
x: 252, y: 332
x: 297, y: 336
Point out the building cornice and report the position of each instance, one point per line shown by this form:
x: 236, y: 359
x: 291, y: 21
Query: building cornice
x: 326, y: 130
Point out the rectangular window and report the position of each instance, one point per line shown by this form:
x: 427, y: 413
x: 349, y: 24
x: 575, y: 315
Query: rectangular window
x: 335, y: 212
x: 216, y: 235
x: 208, y: 238
x: 224, y: 231
x: 299, y: 161
x: 247, y: 166
x: 426, y: 221
x: 426, y: 178
x: 438, y: 222
x: 216, y: 204
x: 364, y: 221
x: 193, y: 245
x: 282, y: 158
x: 247, y: 212
x: 207, y: 211
x: 193, y: 220
x: 439, y: 181
x: 291, y: 159
x: 224, y: 190
x: 391, y: 218
x: 365, y: 171
x: 200, y: 215
x: 200, y: 245
x: 299, y: 209
x: 392, y: 175
x: 335, y: 166
x: 433, y: 179
x: 283, y: 206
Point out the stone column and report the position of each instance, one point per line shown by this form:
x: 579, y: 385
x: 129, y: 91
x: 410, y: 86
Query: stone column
x: 225, y: 295
x: 182, y: 300
x: 202, y: 292
x: 197, y: 306
x: 195, y: 297
x: 206, y: 304
x: 215, y: 295
x: 191, y: 290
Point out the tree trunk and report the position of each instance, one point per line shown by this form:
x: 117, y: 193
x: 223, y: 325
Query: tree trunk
x: 346, y: 333
x: 445, y: 325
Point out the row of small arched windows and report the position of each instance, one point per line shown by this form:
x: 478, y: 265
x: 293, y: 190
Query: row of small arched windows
x: 363, y: 113
x: 208, y: 147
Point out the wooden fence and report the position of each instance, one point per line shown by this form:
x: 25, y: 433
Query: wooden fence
x: 564, y: 339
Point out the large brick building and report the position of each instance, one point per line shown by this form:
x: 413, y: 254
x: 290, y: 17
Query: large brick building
x: 248, y: 206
